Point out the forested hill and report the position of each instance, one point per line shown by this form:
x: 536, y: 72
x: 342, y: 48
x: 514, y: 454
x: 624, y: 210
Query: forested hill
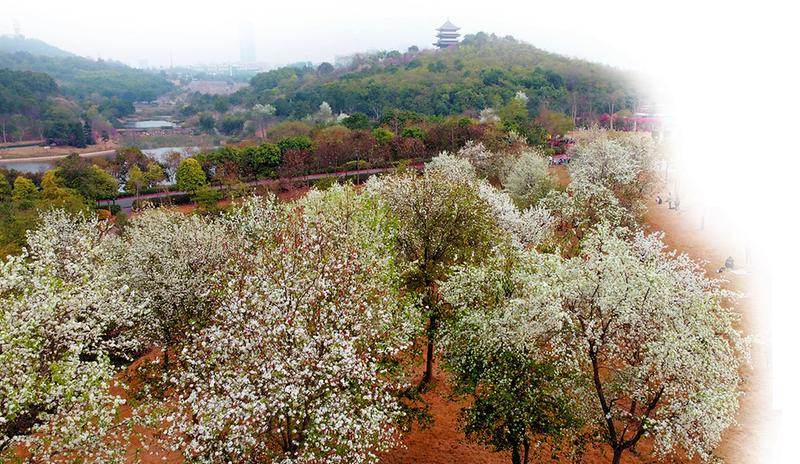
x: 83, y: 78
x: 97, y: 93
x: 18, y: 43
x: 484, y: 71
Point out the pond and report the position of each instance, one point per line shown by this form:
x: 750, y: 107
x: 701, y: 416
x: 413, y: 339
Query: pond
x: 155, y: 124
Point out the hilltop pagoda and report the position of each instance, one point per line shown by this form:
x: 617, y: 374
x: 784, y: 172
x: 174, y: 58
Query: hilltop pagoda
x: 448, y: 35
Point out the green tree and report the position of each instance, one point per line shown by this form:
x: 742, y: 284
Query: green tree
x: 155, y: 174
x: 190, y: 176
x: 413, y: 132
x: 357, y: 121
x: 382, y: 135
x: 25, y: 193
x: 262, y: 160
x: 136, y: 180
x: 325, y: 68
x: 295, y: 143
x: 554, y: 122
x: 231, y: 124
x: 206, y: 122
x: 208, y: 200
x: 54, y: 194
x: 5, y: 189
x: 88, y: 179
x: 443, y: 222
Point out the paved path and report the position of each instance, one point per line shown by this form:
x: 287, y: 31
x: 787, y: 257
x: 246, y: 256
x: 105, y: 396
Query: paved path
x: 127, y: 202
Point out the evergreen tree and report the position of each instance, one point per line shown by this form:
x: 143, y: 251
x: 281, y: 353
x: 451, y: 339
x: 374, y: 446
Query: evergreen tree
x: 190, y: 176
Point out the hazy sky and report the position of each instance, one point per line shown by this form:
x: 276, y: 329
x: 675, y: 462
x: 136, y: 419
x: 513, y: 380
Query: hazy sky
x: 618, y: 32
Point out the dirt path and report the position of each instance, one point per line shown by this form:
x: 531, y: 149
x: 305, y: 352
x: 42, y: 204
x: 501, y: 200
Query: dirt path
x: 710, y: 239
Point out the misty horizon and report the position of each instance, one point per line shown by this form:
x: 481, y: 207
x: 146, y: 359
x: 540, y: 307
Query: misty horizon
x: 160, y: 36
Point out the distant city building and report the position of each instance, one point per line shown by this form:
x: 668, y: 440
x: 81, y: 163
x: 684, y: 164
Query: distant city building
x: 447, y: 35
x: 247, y: 44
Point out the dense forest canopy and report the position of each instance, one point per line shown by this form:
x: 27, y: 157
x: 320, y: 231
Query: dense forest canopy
x: 84, y: 79
x: 24, y: 101
x: 484, y: 71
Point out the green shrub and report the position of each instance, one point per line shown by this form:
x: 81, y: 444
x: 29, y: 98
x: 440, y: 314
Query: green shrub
x: 355, y: 165
x: 324, y: 183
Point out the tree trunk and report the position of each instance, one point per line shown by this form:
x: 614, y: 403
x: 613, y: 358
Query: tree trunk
x: 617, y: 458
x: 515, y: 458
x: 526, y: 450
x: 166, y: 359
x: 429, y: 358
x: 574, y: 109
x: 431, y: 332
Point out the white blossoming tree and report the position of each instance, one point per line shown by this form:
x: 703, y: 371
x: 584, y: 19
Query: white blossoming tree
x: 526, y: 228
x: 174, y: 263
x: 496, y: 348
x: 486, y: 163
x: 442, y: 222
x: 623, y: 162
x: 582, y: 207
x: 642, y: 334
x: 295, y: 364
x: 62, y: 314
x: 529, y: 180
x: 651, y: 331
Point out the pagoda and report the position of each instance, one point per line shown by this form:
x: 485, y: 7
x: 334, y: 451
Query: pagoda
x: 448, y: 35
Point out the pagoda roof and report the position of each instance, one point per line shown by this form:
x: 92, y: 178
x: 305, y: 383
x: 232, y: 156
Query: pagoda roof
x: 448, y: 26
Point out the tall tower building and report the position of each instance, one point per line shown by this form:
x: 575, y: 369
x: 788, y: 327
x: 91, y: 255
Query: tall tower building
x: 247, y: 43
x: 447, y: 35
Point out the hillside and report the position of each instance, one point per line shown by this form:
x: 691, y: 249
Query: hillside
x: 19, y: 43
x: 91, y: 93
x: 24, y: 100
x: 485, y: 71
x: 83, y: 78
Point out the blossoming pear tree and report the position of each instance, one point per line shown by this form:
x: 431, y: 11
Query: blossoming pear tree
x: 174, y: 264
x: 62, y: 313
x: 294, y: 365
x: 646, y: 340
x: 442, y: 221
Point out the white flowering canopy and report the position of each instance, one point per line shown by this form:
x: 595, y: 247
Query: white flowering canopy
x: 61, y: 310
x: 291, y: 366
x: 528, y: 179
x: 645, y: 334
